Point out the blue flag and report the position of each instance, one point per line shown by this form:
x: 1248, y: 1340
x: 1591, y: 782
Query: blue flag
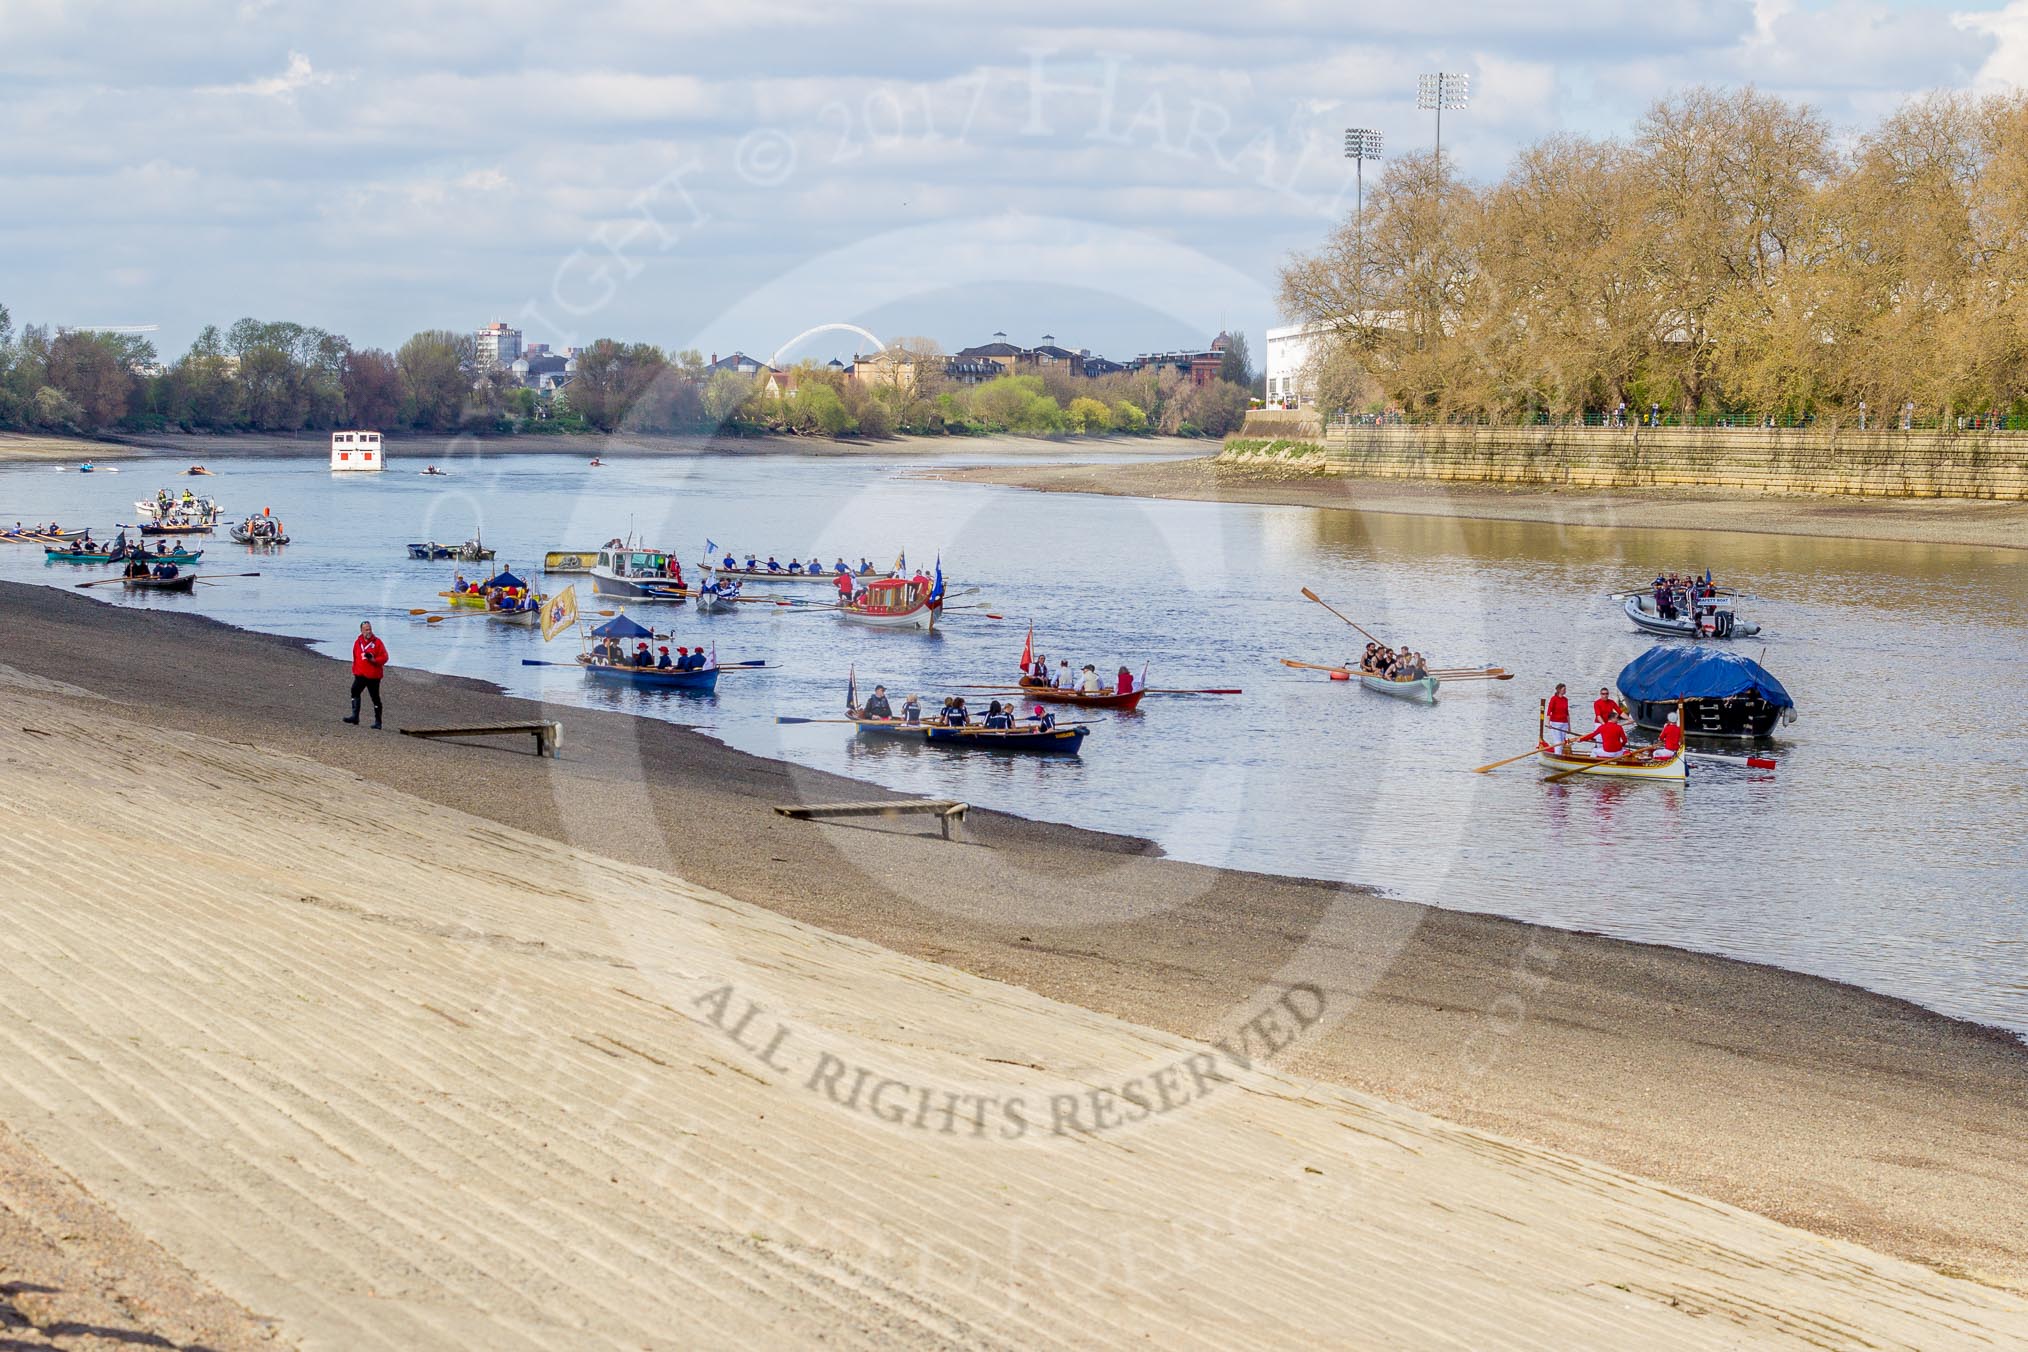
x: 710, y: 546
x: 937, y: 592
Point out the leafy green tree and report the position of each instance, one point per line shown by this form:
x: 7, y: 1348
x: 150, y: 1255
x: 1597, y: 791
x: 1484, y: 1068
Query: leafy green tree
x: 1236, y: 363
x: 1089, y: 416
x: 611, y: 379
x: 1129, y: 417
x: 372, y: 387
x: 437, y: 369
x: 98, y: 373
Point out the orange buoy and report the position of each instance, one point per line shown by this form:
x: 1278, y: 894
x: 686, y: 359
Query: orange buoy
x: 1341, y: 675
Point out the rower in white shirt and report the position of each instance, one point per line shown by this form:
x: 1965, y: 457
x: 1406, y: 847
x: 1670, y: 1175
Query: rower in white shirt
x: 1088, y: 682
x: 1066, y: 679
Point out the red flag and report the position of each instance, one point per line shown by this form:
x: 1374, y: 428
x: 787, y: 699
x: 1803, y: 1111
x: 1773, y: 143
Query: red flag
x: 1028, y: 649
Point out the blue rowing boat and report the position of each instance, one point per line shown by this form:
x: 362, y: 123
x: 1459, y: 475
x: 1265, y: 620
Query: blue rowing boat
x: 658, y: 678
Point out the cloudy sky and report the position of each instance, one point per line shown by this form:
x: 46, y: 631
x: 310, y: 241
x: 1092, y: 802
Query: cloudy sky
x: 729, y: 176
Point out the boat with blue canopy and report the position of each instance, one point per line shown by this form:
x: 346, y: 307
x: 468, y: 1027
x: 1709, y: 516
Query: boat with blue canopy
x: 613, y: 667
x: 1721, y: 693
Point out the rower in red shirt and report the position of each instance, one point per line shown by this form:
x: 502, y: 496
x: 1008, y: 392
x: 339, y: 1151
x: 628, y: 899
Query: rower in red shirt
x: 1611, y: 739
x: 1558, y: 716
x: 1672, y: 738
x: 1604, y: 707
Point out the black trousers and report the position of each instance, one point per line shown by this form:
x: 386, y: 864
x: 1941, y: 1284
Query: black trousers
x: 371, y: 685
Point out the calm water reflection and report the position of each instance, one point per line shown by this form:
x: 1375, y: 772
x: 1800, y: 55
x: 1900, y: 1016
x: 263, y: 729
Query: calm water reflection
x: 1887, y: 849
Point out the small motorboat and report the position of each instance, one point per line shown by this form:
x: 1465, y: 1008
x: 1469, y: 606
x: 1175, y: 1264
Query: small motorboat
x: 197, y: 469
x: 261, y: 531
x: 1708, y: 617
x: 429, y: 549
x: 431, y: 471
x: 597, y: 463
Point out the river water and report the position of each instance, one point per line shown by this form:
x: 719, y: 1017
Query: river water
x: 1887, y: 849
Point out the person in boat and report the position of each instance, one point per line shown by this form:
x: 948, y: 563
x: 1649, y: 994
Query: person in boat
x: 1557, y: 717
x: 877, y: 705
x: 1088, y: 681
x: 845, y: 585
x: 1044, y: 720
x: 961, y: 717
x: 137, y: 566
x: 662, y: 660
x: 729, y: 561
x: 796, y: 567
x: 998, y: 719
x: 1612, y: 738
x: 841, y: 566
x: 1671, y: 744
x: 1604, y: 707
x: 1123, y: 682
x: 865, y: 566
x: 642, y: 657
x: 166, y: 571
x: 1066, y: 679
x: 698, y: 660
x: 911, y: 709
x: 773, y: 567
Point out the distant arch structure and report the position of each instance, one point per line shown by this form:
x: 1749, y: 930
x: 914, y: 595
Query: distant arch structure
x: 835, y: 327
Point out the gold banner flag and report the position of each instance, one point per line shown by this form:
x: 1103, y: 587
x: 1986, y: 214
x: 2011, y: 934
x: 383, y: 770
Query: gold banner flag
x: 560, y: 613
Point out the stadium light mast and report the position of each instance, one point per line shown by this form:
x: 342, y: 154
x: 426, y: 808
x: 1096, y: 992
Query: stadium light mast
x: 1361, y: 144
x: 1434, y: 93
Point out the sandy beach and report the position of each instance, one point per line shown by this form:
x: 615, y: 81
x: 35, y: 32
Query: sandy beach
x: 1998, y: 525
x: 455, y: 900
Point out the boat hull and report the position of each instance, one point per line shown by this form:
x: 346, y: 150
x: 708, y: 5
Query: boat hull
x: 188, y: 582
x: 1423, y: 691
x: 1648, y: 622
x: 638, y: 588
x: 1740, y: 718
x: 517, y: 617
x: 654, y: 678
x: 190, y: 528
x: 1675, y: 769
x: 1055, y: 741
x: 1043, y: 694
x: 922, y: 618
x: 179, y: 557
x: 763, y: 575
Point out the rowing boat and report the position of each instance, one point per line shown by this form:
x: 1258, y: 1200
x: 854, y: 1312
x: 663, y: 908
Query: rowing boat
x: 1060, y: 741
x: 41, y: 537
x: 178, y: 556
x: 892, y: 603
x: 664, y: 678
x: 182, y: 582
x: 1674, y: 769
x: 1421, y: 690
x: 828, y: 577
x: 1045, y: 694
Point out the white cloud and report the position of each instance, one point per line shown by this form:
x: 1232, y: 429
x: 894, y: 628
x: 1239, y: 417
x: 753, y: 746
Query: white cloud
x: 297, y: 76
x: 2006, y: 67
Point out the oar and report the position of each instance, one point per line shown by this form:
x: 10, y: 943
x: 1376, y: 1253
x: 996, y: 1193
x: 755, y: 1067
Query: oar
x: 1487, y: 769
x: 1235, y: 690
x: 1335, y: 611
x: 783, y: 718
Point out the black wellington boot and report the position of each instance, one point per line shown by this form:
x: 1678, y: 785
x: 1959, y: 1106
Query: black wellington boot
x: 353, y: 717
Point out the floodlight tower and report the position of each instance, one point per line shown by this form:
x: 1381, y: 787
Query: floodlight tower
x: 1361, y: 144
x: 1434, y: 93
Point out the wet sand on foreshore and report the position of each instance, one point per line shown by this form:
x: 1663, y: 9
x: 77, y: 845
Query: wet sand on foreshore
x: 1204, y: 479
x: 1823, y: 1106
x: 405, y: 449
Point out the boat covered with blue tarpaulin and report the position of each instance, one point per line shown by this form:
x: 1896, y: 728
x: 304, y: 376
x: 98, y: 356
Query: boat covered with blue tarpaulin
x: 1721, y: 693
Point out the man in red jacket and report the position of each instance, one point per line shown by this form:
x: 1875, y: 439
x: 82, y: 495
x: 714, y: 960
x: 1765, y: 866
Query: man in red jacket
x: 369, y: 661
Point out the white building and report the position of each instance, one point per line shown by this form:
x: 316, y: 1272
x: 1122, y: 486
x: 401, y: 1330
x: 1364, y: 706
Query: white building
x: 355, y: 451
x: 1291, y: 379
x: 498, y: 345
